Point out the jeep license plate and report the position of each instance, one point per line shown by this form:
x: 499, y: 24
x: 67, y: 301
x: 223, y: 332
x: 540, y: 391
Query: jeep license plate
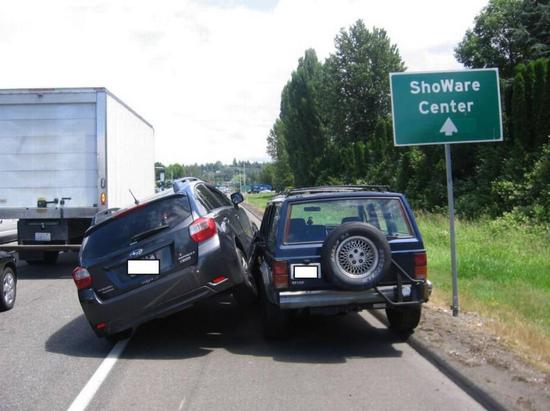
x: 305, y: 271
x: 143, y: 267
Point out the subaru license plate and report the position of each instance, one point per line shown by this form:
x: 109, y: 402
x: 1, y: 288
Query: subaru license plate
x: 143, y: 267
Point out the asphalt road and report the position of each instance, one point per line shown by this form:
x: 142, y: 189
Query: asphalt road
x: 209, y: 357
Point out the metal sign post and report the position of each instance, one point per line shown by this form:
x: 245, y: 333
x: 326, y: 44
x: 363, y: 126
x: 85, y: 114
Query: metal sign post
x: 451, y: 200
x: 445, y: 107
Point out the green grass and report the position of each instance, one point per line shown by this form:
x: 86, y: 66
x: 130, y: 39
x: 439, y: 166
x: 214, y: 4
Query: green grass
x: 259, y: 200
x: 503, y: 272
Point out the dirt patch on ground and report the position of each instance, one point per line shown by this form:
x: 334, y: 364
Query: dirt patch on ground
x: 468, y: 344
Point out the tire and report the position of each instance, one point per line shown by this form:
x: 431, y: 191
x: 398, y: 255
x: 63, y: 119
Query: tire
x: 8, y: 289
x: 247, y: 292
x: 356, y: 256
x: 275, y: 322
x: 50, y: 257
x: 116, y: 337
x: 403, y: 321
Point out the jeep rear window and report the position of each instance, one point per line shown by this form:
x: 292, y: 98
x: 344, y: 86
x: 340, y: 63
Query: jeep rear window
x: 117, y: 232
x: 312, y: 221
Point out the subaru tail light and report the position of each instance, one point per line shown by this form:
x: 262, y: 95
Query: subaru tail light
x: 82, y: 278
x: 202, y: 229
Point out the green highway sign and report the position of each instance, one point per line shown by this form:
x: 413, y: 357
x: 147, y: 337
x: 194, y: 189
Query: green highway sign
x: 446, y: 107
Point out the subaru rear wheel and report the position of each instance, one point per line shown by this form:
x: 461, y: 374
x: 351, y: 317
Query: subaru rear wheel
x: 245, y: 293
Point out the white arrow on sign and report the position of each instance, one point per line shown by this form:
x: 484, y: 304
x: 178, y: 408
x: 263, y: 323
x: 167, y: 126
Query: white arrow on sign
x: 448, y: 127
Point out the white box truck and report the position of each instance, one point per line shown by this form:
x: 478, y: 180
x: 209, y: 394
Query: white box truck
x: 65, y: 155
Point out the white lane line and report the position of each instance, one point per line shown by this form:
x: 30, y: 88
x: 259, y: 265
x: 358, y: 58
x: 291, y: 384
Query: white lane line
x: 87, y: 393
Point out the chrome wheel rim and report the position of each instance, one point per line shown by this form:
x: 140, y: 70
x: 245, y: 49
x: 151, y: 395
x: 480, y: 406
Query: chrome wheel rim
x: 8, y: 288
x: 247, y: 274
x: 357, y: 257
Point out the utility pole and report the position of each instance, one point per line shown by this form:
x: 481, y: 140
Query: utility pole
x: 244, y: 175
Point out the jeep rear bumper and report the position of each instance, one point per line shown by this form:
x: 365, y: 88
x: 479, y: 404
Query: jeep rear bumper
x: 372, y: 297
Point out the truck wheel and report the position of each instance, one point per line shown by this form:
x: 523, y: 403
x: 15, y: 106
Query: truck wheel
x: 50, y: 257
x: 8, y: 289
x: 275, y: 322
x: 403, y: 321
x: 356, y: 256
x: 245, y: 293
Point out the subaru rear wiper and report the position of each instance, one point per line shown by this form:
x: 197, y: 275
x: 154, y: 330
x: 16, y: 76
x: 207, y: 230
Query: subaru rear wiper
x: 148, y: 233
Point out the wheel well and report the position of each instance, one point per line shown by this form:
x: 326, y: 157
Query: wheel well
x: 239, y: 246
x: 13, y: 268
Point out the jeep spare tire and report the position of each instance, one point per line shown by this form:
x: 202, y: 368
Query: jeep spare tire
x: 356, y: 256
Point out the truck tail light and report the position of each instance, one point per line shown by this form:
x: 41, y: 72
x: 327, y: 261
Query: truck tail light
x: 103, y: 198
x: 421, y: 266
x: 280, y: 273
x: 82, y: 278
x: 202, y: 229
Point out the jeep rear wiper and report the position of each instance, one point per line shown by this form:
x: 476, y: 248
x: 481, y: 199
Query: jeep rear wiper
x: 148, y: 233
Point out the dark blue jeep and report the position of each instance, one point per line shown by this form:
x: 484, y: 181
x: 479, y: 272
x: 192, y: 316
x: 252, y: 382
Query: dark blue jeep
x: 336, y: 249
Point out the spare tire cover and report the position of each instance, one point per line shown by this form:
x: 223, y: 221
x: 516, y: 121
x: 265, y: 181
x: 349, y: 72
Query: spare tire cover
x: 356, y: 256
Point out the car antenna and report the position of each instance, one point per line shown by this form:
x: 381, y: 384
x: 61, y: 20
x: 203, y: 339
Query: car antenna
x: 135, y: 199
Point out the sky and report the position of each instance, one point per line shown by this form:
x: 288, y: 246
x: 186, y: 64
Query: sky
x: 207, y: 74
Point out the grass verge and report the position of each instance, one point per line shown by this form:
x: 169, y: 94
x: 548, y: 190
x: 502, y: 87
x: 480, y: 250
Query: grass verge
x: 259, y: 200
x: 503, y: 273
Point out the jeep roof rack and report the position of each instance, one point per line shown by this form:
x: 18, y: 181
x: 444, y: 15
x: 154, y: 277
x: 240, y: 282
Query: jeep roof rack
x: 336, y: 188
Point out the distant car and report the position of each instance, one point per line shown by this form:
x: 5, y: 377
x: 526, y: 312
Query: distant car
x: 162, y: 255
x: 336, y: 249
x: 8, y: 281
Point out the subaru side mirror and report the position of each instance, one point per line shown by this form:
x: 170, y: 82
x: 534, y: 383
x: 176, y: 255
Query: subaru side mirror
x: 237, y: 198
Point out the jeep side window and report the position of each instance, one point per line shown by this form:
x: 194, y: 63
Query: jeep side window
x: 272, y: 234
x: 264, y: 228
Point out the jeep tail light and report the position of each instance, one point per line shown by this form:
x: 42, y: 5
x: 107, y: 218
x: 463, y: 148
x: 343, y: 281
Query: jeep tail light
x: 280, y: 273
x: 82, y: 278
x: 202, y: 229
x: 421, y: 266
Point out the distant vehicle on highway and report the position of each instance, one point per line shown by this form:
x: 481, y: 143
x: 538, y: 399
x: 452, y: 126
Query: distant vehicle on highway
x: 259, y: 188
x: 162, y: 255
x: 67, y: 154
x: 8, y: 281
x: 336, y: 249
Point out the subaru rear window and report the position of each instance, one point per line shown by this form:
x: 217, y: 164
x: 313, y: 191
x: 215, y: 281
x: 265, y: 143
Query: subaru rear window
x: 312, y: 221
x: 132, y: 225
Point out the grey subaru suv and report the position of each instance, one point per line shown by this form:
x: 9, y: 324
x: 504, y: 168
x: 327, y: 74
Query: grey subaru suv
x: 162, y: 255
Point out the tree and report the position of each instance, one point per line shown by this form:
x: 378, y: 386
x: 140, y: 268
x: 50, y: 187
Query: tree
x: 304, y: 134
x: 539, y: 90
x: 506, y: 33
x: 282, y: 174
x: 356, y: 82
x: 520, y: 123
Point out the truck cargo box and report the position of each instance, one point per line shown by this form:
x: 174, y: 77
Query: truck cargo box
x: 83, y: 144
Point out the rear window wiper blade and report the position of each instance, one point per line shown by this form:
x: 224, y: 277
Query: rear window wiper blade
x: 149, y: 233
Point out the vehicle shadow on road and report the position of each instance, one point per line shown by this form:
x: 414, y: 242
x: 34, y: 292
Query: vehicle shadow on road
x: 62, y: 269
x: 222, y: 324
